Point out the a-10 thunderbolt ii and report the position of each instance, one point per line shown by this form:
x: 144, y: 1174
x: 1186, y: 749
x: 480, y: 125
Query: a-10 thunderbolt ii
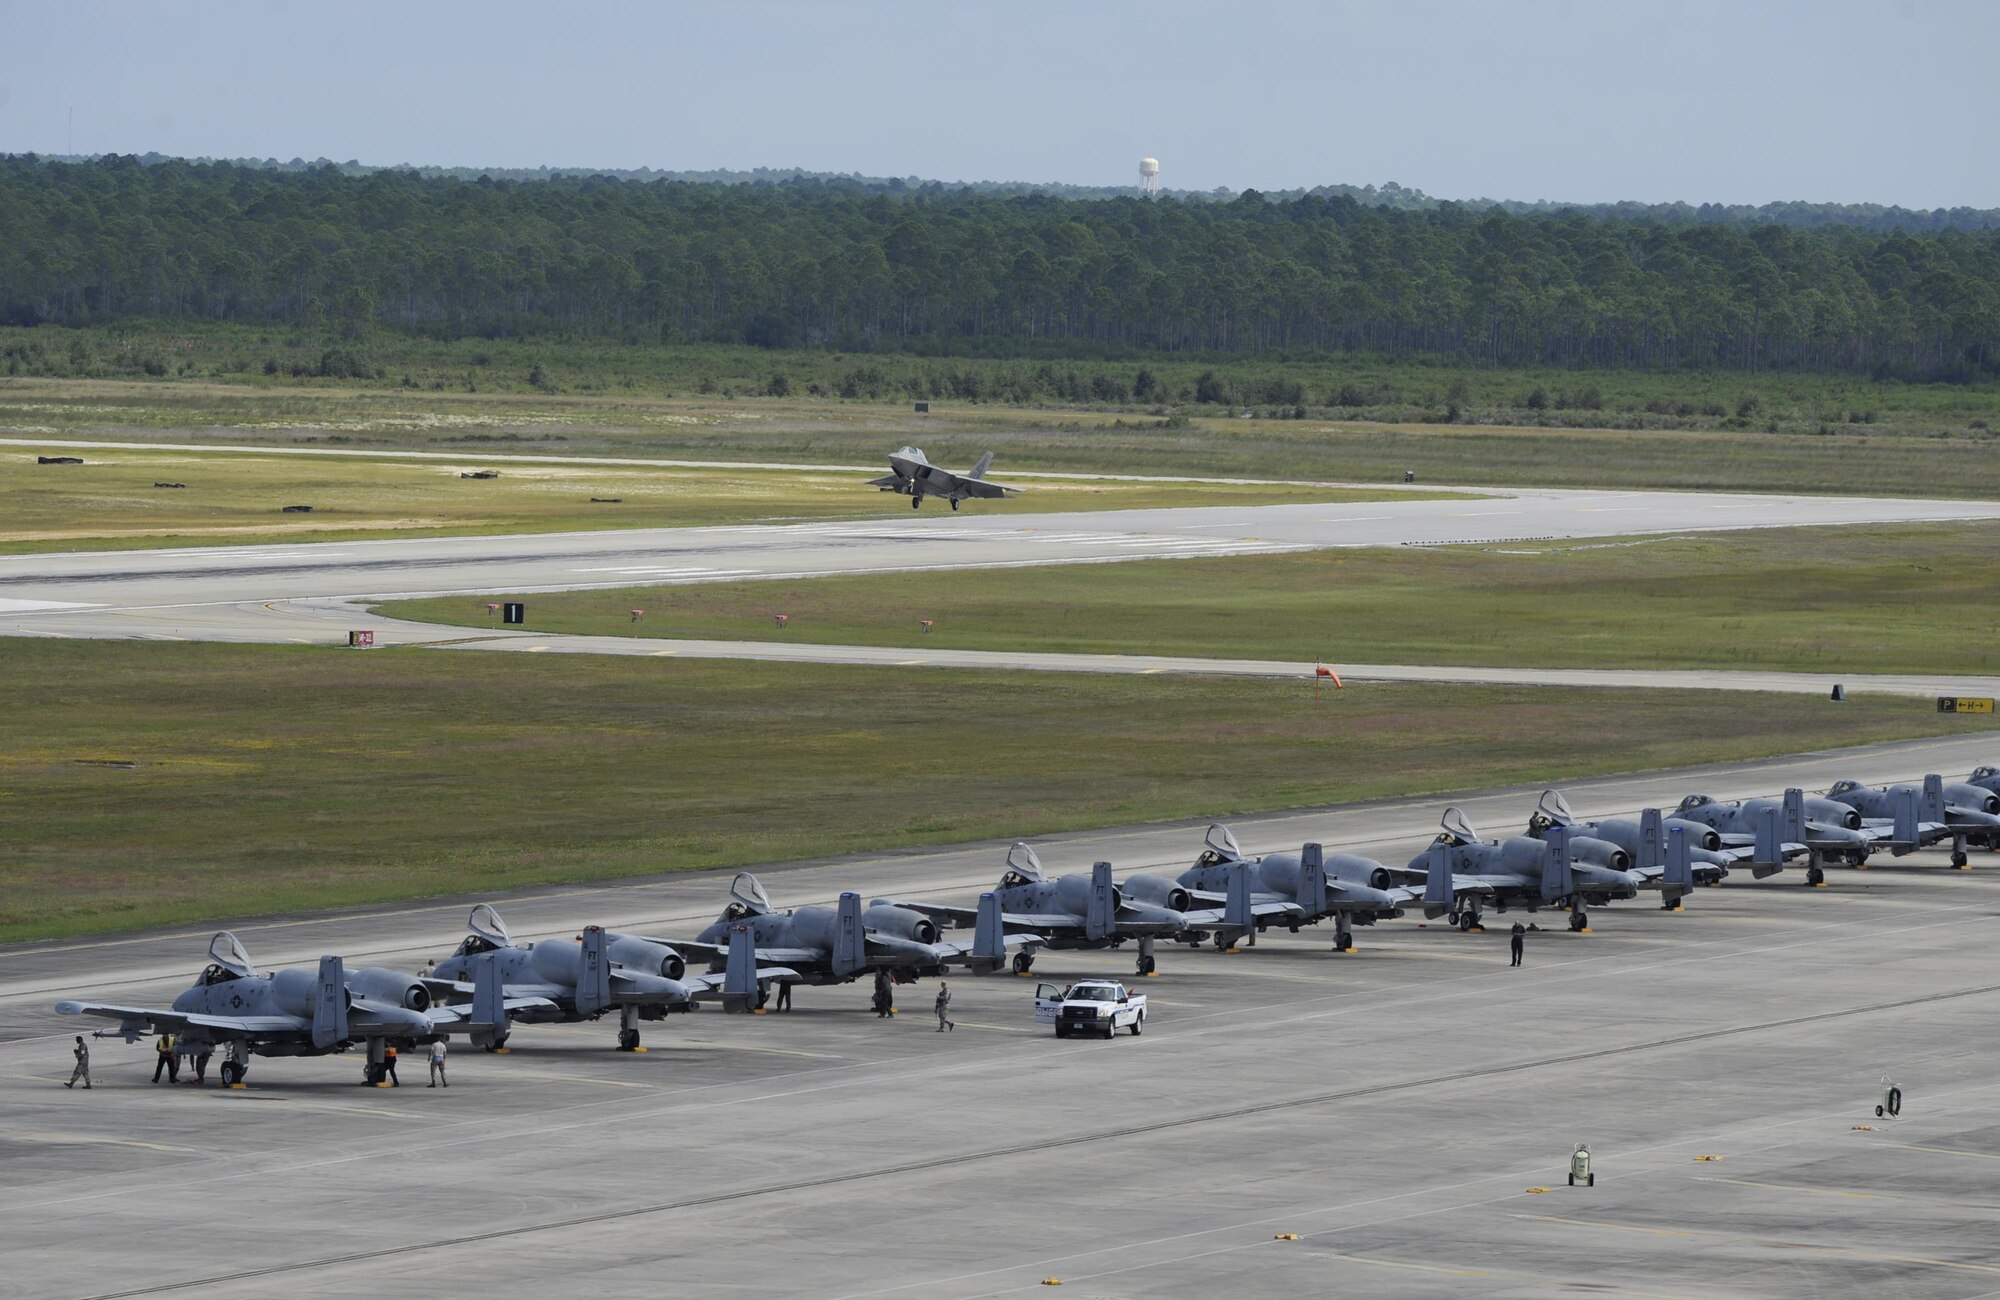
x: 835, y: 945
x: 235, y: 1007
x: 1244, y: 895
x: 1069, y: 911
x: 1927, y: 813
x: 1462, y: 872
x: 584, y: 978
x: 912, y: 475
x: 1639, y: 847
x: 1821, y: 830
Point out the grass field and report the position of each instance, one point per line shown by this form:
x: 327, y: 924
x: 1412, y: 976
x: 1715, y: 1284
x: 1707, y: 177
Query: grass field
x: 115, y: 499
x: 1913, y: 598
x: 1901, y: 439
x: 146, y: 785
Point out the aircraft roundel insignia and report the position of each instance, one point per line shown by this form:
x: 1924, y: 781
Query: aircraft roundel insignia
x: 236, y: 1000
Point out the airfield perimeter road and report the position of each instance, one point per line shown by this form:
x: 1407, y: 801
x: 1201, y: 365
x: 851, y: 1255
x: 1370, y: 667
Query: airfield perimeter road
x: 1392, y: 1107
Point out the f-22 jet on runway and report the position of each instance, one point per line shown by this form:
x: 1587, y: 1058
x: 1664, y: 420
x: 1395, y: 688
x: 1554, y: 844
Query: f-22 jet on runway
x: 912, y: 474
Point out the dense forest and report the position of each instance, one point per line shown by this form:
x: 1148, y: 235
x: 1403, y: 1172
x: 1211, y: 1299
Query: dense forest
x: 936, y: 270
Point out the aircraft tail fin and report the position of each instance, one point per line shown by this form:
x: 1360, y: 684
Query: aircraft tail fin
x: 1437, y: 882
x: 1236, y: 914
x: 329, y: 1021
x: 739, y: 972
x: 1557, y: 879
x: 849, y: 949
x: 1312, y: 880
x: 1101, y: 917
x: 1933, y: 805
x: 989, y: 936
x: 1677, y: 881
x: 1652, y: 840
x: 593, y: 974
x: 489, y: 1002
x: 1794, y: 829
x: 985, y: 463
x: 1903, y: 803
x: 1768, y: 854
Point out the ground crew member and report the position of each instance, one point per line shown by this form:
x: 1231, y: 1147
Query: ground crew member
x: 437, y: 1064
x: 166, y: 1059
x: 389, y: 1065
x: 82, y: 1070
x: 1515, y: 941
x: 784, y: 995
x: 882, y: 999
x: 201, y: 1056
x: 944, y: 1007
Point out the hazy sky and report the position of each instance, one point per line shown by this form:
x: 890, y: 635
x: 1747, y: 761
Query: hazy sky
x: 1568, y: 99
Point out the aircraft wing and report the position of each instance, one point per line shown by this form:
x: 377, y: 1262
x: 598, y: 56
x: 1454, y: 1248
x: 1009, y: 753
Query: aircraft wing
x: 955, y: 916
x: 1488, y: 884
x: 720, y: 952
x: 1260, y: 905
x: 525, y: 1008
x: 137, y: 1020
x: 711, y: 983
x: 979, y: 487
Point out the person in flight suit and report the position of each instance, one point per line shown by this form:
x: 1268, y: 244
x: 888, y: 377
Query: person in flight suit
x: 1516, y: 941
x: 82, y: 1070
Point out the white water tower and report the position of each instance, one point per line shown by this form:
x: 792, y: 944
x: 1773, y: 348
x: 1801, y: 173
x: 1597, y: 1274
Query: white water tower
x: 1149, y: 176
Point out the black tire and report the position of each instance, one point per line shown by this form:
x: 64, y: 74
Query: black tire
x: 1023, y: 962
x: 628, y: 1040
x: 1147, y: 965
x: 496, y: 1044
x: 1062, y: 1031
x: 1452, y: 919
x: 1815, y: 877
x: 1572, y: 1180
x: 954, y: 503
x: 1878, y: 1112
x: 1958, y: 859
x: 916, y: 502
x: 1591, y: 1181
x: 232, y: 1075
x: 1138, y: 1025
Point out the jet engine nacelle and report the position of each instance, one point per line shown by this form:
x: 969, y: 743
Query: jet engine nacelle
x: 1590, y: 850
x: 375, y: 984
x: 1700, y: 835
x: 1162, y: 892
x: 900, y: 923
x: 293, y: 991
x: 1523, y: 856
x: 1073, y: 895
x: 1833, y: 813
x: 1973, y: 797
x: 634, y: 954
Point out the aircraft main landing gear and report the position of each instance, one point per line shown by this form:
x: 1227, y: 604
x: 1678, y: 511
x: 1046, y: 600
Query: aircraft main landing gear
x: 1815, y: 877
x: 1146, y: 962
x: 1578, y: 922
x: 232, y: 1074
x: 954, y: 503
x: 1343, y: 933
x: 1023, y: 963
x: 916, y: 500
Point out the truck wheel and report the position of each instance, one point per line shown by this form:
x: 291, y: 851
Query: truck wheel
x: 1878, y: 1112
x: 1138, y: 1026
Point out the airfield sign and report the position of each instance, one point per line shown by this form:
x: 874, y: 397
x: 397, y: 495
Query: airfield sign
x: 1964, y: 704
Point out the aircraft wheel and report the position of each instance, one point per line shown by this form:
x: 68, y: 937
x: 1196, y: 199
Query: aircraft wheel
x: 1815, y: 876
x: 1022, y: 963
x: 1451, y: 919
x: 916, y: 502
x: 1958, y: 859
x: 1147, y: 965
x: 628, y: 1040
x: 496, y: 1044
x: 954, y: 503
x: 1577, y: 920
x: 232, y: 1075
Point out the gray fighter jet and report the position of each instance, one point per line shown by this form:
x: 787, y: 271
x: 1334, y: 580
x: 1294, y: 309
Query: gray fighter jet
x: 912, y: 475
x: 1929, y: 813
x: 1639, y: 847
x: 1073, y: 911
x: 835, y: 945
x: 1462, y: 872
x: 1986, y: 777
x: 1243, y: 895
x: 235, y: 1007
x: 1820, y: 830
x: 581, y: 978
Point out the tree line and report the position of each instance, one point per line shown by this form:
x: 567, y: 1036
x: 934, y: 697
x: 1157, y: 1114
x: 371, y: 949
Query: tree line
x: 964, y: 272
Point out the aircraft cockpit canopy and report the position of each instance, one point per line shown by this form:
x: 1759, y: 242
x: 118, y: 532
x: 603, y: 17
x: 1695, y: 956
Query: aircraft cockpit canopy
x: 227, y: 960
x: 1553, y: 810
x: 1839, y: 788
x: 1023, y: 867
x: 1457, y: 830
x: 474, y: 944
x: 751, y: 900
x: 1219, y: 846
x: 485, y: 924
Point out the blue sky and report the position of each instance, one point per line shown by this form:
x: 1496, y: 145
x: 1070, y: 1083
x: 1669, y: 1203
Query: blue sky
x: 1746, y: 102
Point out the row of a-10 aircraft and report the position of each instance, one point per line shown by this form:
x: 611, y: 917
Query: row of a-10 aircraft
x: 491, y: 982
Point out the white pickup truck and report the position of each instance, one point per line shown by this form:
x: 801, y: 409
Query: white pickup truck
x: 1090, y: 1007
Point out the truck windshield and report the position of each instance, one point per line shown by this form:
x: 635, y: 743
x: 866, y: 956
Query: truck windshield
x: 1094, y: 993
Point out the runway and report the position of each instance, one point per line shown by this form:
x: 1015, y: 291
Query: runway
x: 1390, y: 1109
x: 189, y: 593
